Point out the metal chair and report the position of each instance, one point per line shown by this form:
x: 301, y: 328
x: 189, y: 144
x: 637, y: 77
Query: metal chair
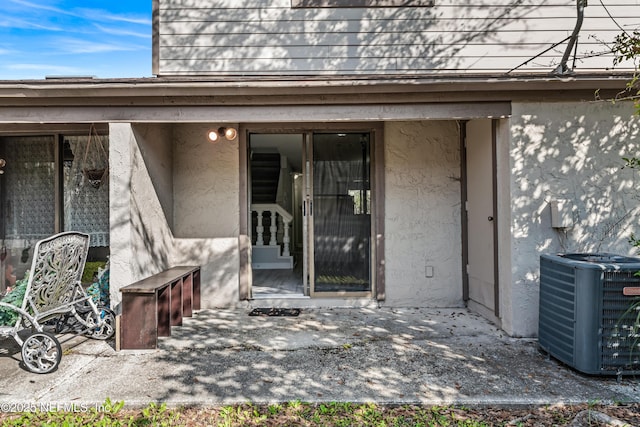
x: 54, y: 293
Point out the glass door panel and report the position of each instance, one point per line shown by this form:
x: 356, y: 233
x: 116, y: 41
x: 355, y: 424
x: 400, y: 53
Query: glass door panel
x: 340, y: 212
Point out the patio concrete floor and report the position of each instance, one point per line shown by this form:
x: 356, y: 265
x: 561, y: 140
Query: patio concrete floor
x: 383, y: 355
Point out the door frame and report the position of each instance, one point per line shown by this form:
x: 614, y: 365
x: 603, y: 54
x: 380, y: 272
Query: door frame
x: 465, y: 216
x: 376, y: 130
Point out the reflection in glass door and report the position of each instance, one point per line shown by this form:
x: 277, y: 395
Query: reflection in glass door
x: 339, y: 208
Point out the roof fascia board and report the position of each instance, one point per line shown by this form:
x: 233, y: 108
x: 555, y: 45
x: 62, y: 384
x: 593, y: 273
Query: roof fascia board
x: 161, y: 87
x: 273, y: 114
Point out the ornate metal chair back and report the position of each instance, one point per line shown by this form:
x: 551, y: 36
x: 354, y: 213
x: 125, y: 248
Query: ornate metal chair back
x: 56, y: 273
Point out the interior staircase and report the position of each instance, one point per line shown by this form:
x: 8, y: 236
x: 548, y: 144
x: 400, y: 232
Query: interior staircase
x: 265, y: 176
x: 265, y: 172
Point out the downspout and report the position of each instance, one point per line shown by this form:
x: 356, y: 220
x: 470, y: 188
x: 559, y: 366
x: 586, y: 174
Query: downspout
x: 562, y: 69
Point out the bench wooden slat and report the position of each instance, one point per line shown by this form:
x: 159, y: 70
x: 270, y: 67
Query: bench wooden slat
x: 164, y: 278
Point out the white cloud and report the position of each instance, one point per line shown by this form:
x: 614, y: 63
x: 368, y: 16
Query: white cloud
x: 83, y: 14
x: 77, y: 46
x: 38, y: 6
x: 123, y: 32
x: 101, y: 15
x: 11, y: 22
x: 84, y: 40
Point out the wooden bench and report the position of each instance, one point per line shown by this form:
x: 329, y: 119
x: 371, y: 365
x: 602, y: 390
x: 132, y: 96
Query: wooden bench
x: 152, y: 305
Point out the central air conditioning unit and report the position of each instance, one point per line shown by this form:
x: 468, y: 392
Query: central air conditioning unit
x: 590, y: 312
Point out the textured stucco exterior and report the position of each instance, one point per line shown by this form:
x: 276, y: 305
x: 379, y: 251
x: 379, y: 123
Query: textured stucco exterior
x: 207, y: 211
x: 571, y: 152
x: 422, y: 214
x: 121, y: 141
x: 203, y: 198
x: 141, y: 240
x: 206, y: 184
x: 545, y: 152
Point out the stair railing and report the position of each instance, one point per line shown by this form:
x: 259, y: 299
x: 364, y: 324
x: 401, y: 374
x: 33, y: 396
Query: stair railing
x: 275, y: 210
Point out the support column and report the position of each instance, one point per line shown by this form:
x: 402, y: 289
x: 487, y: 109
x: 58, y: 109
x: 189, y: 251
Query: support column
x: 121, y: 140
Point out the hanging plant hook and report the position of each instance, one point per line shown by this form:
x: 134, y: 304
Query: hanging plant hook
x: 97, y: 174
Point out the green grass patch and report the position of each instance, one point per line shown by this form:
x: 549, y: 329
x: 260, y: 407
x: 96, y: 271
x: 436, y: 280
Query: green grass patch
x: 294, y: 413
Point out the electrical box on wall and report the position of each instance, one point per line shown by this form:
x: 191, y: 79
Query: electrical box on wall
x: 561, y: 215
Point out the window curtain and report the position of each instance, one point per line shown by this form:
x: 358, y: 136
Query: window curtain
x: 28, y: 188
x: 86, y: 206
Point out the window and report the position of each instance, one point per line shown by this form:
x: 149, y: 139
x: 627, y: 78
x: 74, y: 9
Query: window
x: 44, y: 190
x: 360, y: 3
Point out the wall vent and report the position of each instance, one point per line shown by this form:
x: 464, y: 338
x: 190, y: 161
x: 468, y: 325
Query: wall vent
x: 585, y: 319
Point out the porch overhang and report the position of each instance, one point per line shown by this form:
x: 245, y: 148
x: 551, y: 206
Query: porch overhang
x: 59, y: 101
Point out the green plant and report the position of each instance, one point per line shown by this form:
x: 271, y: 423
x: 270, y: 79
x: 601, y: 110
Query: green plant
x: 157, y: 415
x: 274, y: 409
x: 626, y: 47
x: 15, y: 297
x: 105, y: 415
x: 90, y: 272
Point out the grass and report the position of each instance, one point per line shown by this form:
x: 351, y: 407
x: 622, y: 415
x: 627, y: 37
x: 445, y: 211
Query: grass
x: 293, y: 413
x: 296, y: 413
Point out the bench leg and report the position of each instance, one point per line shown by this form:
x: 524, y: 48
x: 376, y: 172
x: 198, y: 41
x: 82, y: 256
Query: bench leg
x: 176, y: 303
x: 164, y: 311
x: 196, y: 290
x: 187, y: 295
x: 138, y: 328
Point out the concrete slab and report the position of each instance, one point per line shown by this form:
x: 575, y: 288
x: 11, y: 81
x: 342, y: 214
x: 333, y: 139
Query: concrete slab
x: 426, y: 356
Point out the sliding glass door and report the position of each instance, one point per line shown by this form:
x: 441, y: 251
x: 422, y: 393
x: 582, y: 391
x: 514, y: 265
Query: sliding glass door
x: 338, y: 208
x: 313, y: 188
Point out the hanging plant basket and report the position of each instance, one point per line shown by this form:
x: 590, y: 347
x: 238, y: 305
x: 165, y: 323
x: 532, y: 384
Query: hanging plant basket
x: 95, y: 176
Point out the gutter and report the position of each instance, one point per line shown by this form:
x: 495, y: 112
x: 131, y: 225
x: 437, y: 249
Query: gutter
x: 203, y: 87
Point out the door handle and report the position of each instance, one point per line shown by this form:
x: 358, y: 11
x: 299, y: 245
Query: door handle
x: 490, y: 218
x: 304, y: 208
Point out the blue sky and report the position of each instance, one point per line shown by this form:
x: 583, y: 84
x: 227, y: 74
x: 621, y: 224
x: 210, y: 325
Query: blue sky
x: 100, y: 38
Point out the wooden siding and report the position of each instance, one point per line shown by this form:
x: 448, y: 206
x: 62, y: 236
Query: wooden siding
x: 269, y: 37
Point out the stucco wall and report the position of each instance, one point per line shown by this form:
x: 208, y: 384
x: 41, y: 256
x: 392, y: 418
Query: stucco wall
x: 206, y: 184
x: 158, y: 169
x: 141, y: 240
x: 207, y: 211
x: 422, y: 223
x: 156, y: 149
x: 573, y: 152
x: 121, y: 141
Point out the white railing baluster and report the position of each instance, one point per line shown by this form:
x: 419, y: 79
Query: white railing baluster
x: 276, y: 211
x: 273, y: 229
x: 259, y: 229
x: 285, y: 239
